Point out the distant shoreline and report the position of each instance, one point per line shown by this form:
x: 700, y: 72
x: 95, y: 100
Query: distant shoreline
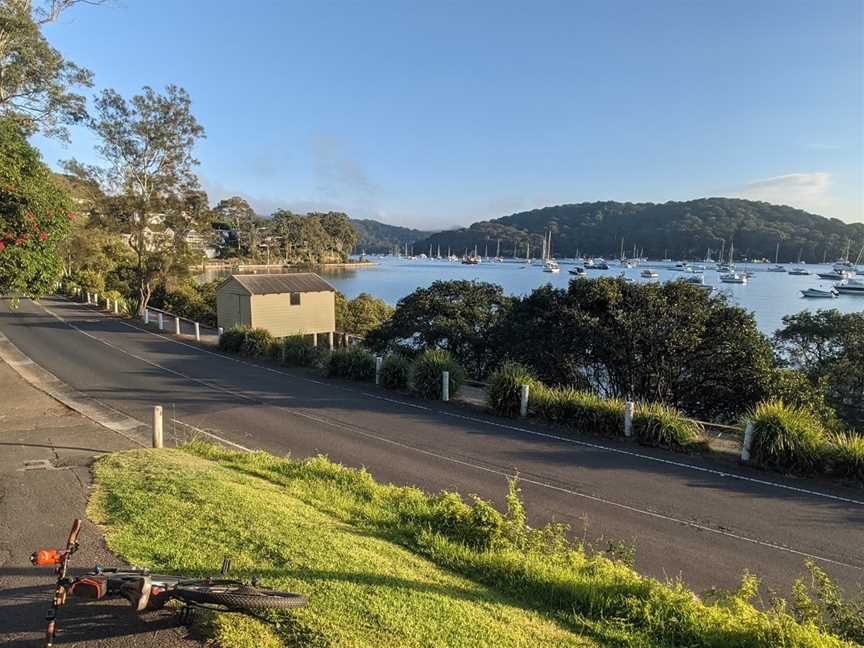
x: 245, y: 267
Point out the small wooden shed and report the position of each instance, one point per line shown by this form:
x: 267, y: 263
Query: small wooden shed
x: 284, y: 304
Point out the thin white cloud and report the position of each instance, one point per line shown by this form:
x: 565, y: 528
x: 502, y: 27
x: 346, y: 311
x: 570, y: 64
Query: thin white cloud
x: 810, y: 191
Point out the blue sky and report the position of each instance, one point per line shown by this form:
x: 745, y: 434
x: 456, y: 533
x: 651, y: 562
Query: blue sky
x: 440, y: 113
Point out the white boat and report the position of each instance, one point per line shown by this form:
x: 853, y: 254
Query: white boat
x: 799, y: 271
x: 551, y: 266
x: 777, y: 268
x: 837, y: 275
x: 733, y: 278
x: 818, y: 292
x: 649, y: 274
x: 850, y: 287
x: 578, y: 271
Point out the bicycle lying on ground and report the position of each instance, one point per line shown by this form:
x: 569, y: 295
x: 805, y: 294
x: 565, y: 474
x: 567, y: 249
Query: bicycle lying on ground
x: 146, y: 591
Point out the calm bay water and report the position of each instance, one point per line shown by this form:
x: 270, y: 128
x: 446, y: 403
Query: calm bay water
x: 769, y: 295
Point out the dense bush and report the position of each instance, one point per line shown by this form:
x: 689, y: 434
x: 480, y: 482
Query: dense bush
x: 659, y: 425
x: 354, y: 363
x: 426, y: 370
x: 188, y: 299
x: 787, y: 438
x: 395, y: 371
x: 846, y: 454
x: 232, y: 339
x: 257, y: 343
x: 505, y: 388
x: 793, y: 387
x: 298, y: 351
x: 578, y: 409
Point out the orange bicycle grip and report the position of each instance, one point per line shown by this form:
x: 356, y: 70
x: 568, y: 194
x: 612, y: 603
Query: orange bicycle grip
x: 76, y: 529
x: 45, y: 557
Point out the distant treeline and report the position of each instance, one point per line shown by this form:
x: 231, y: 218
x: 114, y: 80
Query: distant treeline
x: 682, y: 230
x: 379, y: 238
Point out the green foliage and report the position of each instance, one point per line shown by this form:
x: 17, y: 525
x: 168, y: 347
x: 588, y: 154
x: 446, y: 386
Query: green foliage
x: 787, y: 438
x: 396, y: 371
x: 313, y: 238
x: 354, y: 363
x: 828, y: 347
x: 298, y: 351
x: 257, y: 343
x: 232, y: 339
x: 682, y: 229
x: 793, y: 387
x: 821, y: 603
x: 846, y: 455
x: 425, y: 378
x: 455, y: 316
x: 655, y: 424
x: 380, y: 238
x: 505, y: 388
x: 360, y: 315
x: 584, y: 593
x: 188, y: 299
x: 34, y: 217
x: 36, y: 82
x: 577, y: 409
x: 669, y: 342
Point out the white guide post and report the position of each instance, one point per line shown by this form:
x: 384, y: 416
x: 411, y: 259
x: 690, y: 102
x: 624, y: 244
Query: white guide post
x: 146, y: 316
x: 445, y: 385
x: 523, y: 401
x: 197, y: 332
x: 161, y: 322
x: 628, y: 419
x: 157, y: 426
x: 176, y: 325
x: 378, y: 362
x: 748, y: 442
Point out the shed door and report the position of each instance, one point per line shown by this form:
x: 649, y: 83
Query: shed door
x: 244, y: 316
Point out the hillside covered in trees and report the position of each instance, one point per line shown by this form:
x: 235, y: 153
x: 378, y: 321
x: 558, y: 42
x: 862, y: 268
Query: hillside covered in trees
x: 675, y: 229
x: 376, y: 237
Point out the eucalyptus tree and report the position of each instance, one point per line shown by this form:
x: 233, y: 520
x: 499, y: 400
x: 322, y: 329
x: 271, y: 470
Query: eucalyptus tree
x: 153, y: 198
x: 37, y: 84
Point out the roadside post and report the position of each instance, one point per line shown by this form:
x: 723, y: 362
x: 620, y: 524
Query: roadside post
x: 157, y: 426
x: 176, y: 325
x: 748, y: 442
x: 88, y: 298
x: 146, y: 315
x: 116, y: 306
x: 197, y: 332
x: 628, y: 419
x: 523, y: 401
x: 220, y: 331
x: 445, y: 385
x: 378, y: 362
x: 161, y: 321
x: 330, y: 340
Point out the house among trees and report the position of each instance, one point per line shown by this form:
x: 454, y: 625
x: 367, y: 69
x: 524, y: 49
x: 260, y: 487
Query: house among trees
x: 300, y: 303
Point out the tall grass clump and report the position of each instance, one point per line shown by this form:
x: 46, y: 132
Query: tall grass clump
x: 232, y: 339
x: 577, y: 409
x: 656, y: 424
x: 355, y: 364
x: 257, y: 343
x: 395, y: 371
x: 298, y: 351
x: 425, y: 376
x: 786, y: 438
x: 846, y: 455
x: 504, y: 394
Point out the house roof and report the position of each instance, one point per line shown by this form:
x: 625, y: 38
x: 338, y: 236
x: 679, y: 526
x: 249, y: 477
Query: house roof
x: 267, y: 284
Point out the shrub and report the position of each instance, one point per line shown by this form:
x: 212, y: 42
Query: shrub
x: 232, y: 339
x: 425, y: 378
x: 578, y: 409
x: 505, y: 388
x: 846, y: 454
x: 395, y: 371
x: 257, y: 343
x: 786, y: 438
x: 298, y: 351
x: 656, y: 424
x: 354, y: 363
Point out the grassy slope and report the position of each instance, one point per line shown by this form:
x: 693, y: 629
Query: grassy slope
x: 177, y: 511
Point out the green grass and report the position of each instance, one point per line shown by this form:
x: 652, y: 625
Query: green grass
x: 389, y: 565
x: 181, y: 512
x: 787, y: 438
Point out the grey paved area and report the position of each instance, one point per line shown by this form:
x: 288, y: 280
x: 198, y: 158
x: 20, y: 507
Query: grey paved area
x: 37, y: 507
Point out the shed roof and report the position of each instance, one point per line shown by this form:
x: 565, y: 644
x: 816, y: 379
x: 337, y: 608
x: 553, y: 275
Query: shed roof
x: 267, y: 284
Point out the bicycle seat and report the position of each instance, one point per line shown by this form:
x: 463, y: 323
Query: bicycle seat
x: 137, y: 592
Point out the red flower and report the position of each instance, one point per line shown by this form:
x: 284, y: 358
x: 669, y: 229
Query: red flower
x: 2, y: 246
x: 43, y: 236
x: 71, y: 215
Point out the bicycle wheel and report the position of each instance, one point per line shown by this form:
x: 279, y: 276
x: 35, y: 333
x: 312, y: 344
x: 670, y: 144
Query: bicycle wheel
x: 236, y: 596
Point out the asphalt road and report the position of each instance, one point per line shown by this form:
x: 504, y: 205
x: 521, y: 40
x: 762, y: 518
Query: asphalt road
x: 688, y: 517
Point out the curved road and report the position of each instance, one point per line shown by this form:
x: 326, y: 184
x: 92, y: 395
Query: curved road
x: 688, y: 517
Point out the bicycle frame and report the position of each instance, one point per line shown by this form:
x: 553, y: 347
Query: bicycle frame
x: 61, y: 559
